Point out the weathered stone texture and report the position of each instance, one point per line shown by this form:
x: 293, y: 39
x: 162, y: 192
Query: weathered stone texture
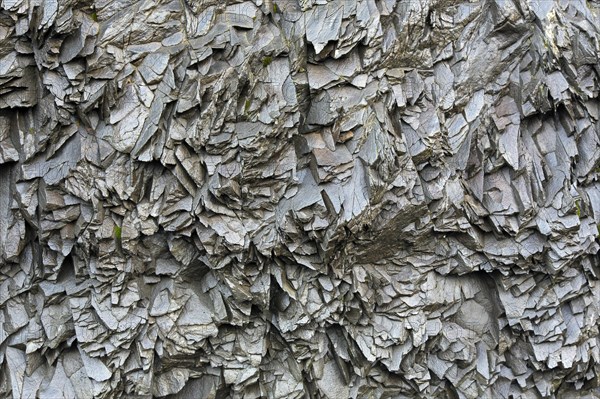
x: 299, y: 198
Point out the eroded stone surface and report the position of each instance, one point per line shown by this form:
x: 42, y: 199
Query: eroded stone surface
x: 288, y: 198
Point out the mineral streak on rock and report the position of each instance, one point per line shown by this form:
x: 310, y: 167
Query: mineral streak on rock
x: 299, y: 198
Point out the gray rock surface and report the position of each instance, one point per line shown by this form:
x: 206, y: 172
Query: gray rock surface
x: 299, y: 198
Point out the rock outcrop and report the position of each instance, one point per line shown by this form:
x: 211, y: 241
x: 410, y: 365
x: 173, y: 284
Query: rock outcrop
x: 299, y: 198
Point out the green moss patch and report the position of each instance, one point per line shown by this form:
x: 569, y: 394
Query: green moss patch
x: 267, y: 61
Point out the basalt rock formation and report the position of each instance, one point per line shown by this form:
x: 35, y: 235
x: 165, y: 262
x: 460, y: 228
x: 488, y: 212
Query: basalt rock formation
x: 299, y: 198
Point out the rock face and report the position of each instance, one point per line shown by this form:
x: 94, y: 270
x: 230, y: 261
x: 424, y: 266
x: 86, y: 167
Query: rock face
x: 299, y: 198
